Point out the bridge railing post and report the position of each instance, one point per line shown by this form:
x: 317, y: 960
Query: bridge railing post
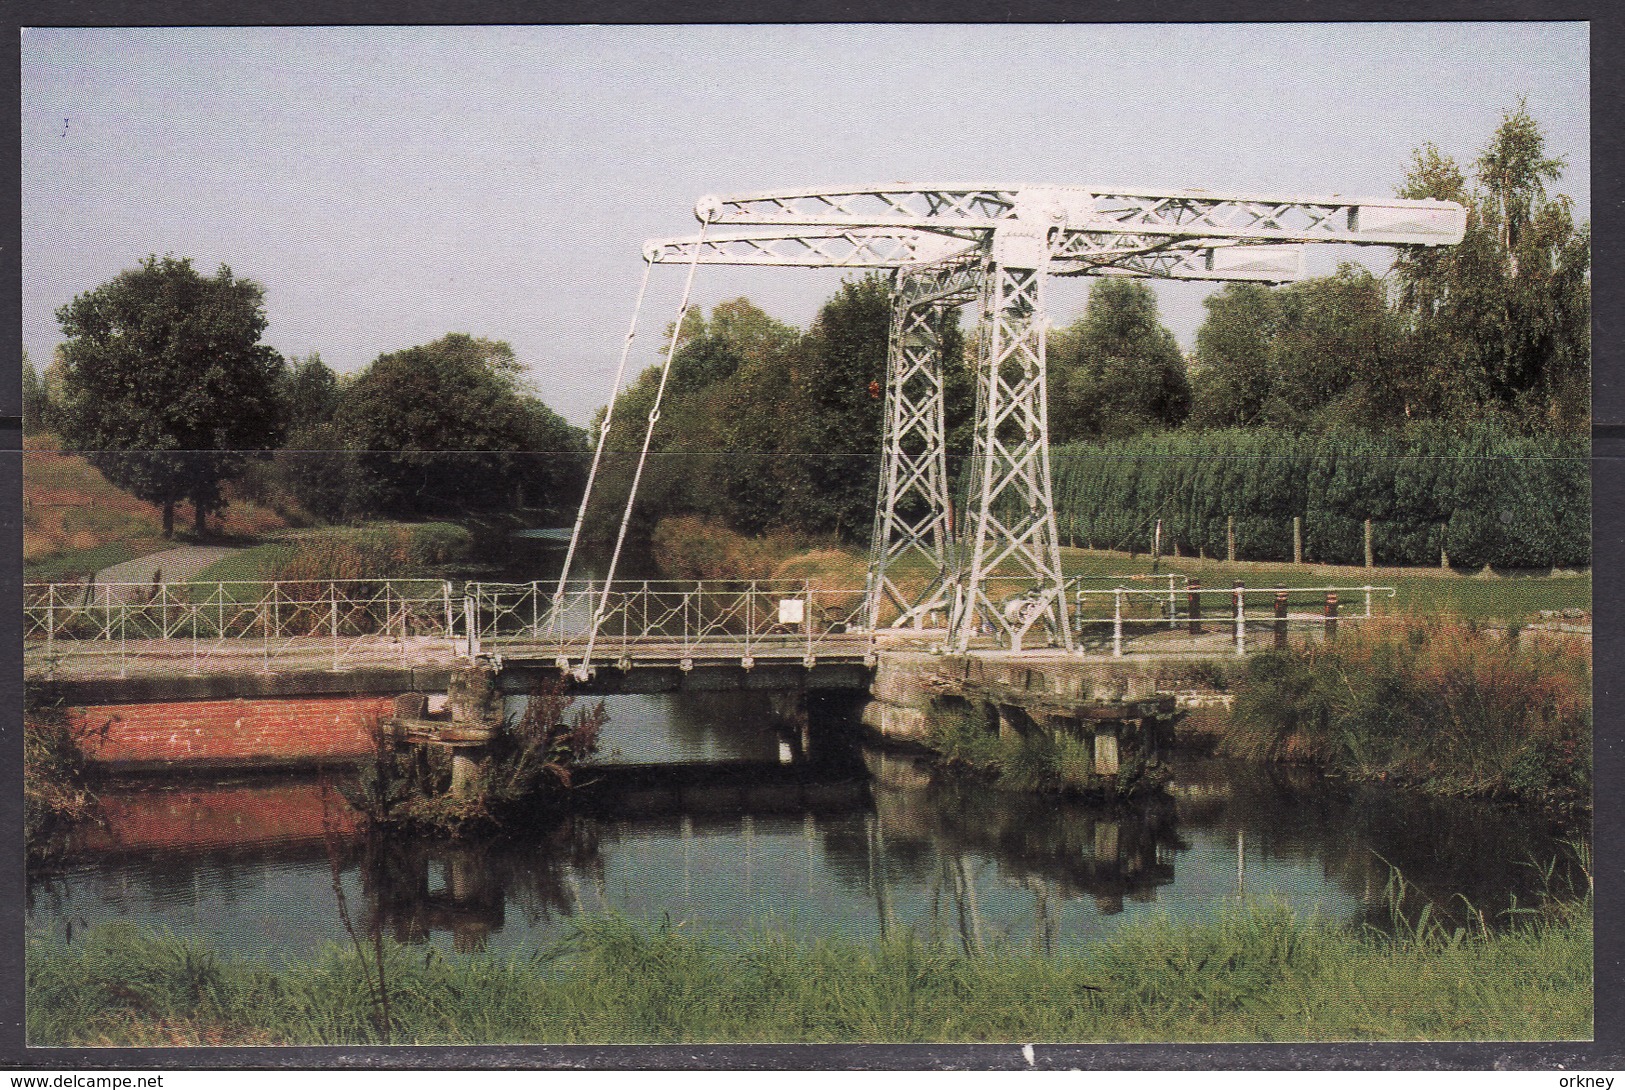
x: 1241, y: 618
x: 471, y: 625
x: 1117, y: 623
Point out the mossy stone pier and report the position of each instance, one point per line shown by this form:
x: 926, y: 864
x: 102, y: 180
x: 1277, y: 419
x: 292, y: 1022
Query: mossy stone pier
x: 1116, y: 706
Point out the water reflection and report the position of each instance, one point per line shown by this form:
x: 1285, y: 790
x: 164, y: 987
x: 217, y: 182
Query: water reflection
x: 835, y: 842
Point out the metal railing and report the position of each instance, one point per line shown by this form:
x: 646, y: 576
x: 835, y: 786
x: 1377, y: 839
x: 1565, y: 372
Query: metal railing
x: 342, y: 624
x: 317, y: 624
x: 670, y: 620
x: 1119, y: 614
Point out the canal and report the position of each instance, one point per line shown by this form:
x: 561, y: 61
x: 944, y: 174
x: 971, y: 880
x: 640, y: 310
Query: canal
x: 871, y: 844
x: 860, y: 842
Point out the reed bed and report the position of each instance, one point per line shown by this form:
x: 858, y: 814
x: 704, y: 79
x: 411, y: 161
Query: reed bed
x: 1437, y: 703
x: 1259, y: 973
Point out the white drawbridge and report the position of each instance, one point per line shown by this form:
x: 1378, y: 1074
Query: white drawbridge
x: 998, y: 570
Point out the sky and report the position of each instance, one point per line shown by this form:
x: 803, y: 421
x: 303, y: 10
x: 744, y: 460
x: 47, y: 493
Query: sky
x: 389, y: 185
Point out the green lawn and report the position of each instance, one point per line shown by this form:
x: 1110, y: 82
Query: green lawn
x: 72, y: 563
x: 1485, y: 598
x: 252, y: 563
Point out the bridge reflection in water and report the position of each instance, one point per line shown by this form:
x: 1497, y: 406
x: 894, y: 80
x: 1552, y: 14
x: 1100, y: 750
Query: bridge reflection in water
x: 855, y: 851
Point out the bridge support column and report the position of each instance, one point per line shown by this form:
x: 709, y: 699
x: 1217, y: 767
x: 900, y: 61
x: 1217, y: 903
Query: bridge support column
x: 1011, y: 581
x: 1106, y: 757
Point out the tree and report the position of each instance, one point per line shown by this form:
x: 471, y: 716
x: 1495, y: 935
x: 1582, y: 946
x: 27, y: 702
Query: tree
x: 446, y: 428
x: 166, y: 387
x: 1321, y: 355
x: 1118, y: 370
x: 829, y: 449
x: 1501, y: 323
x: 311, y: 392
x: 37, y: 411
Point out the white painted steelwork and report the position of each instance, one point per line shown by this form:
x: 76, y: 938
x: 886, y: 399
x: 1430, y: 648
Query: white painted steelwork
x: 953, y: 244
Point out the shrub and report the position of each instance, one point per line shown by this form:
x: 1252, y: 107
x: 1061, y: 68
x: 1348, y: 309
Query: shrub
x: 1440, y: 703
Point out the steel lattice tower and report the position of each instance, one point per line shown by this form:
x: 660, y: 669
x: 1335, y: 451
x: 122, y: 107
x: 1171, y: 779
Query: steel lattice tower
x: 998, y: 571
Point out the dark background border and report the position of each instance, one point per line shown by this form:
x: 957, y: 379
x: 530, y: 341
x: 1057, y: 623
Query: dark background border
x: 1608, y: 532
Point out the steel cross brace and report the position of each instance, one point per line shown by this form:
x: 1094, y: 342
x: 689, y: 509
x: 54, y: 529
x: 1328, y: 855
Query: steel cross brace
x: 950, y: 244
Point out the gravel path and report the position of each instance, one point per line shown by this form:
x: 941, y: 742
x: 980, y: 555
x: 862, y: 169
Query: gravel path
x: 173, y: 566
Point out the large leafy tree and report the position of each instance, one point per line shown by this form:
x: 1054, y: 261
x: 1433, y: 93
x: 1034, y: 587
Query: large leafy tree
x: 166, y: 387
x: 1118, y: 370
x: 1322, y: 355
x: 1500, y: 325
x: 446, y: 428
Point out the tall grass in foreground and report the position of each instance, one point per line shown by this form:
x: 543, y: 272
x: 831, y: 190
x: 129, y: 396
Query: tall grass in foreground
x: 1438, y: 703
x: 1260, y: 973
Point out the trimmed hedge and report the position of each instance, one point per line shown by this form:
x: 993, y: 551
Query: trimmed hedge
x: 1484, y: 498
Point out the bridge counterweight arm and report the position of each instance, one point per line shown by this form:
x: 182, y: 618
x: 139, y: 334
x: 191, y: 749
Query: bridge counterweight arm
x: 1187, y: 213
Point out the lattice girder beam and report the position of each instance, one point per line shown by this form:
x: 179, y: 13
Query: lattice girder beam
x: 1179, y: 213
x: 912, y: 508
x: 947, y: 263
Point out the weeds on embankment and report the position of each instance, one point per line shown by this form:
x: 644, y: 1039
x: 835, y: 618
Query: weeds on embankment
x: 1439, y: 704
x: 1260, y: 973
x: 1041, y: 760
x: 56, y: 772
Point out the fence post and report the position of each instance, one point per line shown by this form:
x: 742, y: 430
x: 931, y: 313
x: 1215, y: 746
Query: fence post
x: 1230, y: 538
x: 1193, y: 599
x: 1370, y: 554
x: 1173, y: 605
x: 1368, y: 603
x: 1280, y: 618
x: 1297, y: 539
x: 1331, y: 614
x: 1117, y: 623
x: 1241, y: 618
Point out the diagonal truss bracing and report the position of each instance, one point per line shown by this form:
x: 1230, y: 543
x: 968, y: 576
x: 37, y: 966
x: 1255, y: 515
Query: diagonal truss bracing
x: 912, y: 511
x: 1011, y: 580
x: 951, y: 244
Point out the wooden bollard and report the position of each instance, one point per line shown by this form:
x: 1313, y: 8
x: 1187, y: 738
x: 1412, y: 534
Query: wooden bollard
x: 1238, y: 598
x: 1331, y: 614
x: 1280, y: 619
x: 1193, y: 603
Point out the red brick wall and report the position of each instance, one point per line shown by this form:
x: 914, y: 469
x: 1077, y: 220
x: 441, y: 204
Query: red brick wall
x: 221, y: 731
x: 263, y: 814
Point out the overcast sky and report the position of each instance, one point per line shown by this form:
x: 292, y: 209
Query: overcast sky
x: 390, y: 185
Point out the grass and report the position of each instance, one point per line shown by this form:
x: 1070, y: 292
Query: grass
x: 251, y: 564
x: 76, y: 522
x: 1259, y: 973
x: 1514, y: 598
x: 1426, y: 590
x: 1041, y: 760
x: 1431, y: 701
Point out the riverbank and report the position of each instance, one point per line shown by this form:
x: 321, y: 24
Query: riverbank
x: 1260, y: 973
x: 1432, y: 704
